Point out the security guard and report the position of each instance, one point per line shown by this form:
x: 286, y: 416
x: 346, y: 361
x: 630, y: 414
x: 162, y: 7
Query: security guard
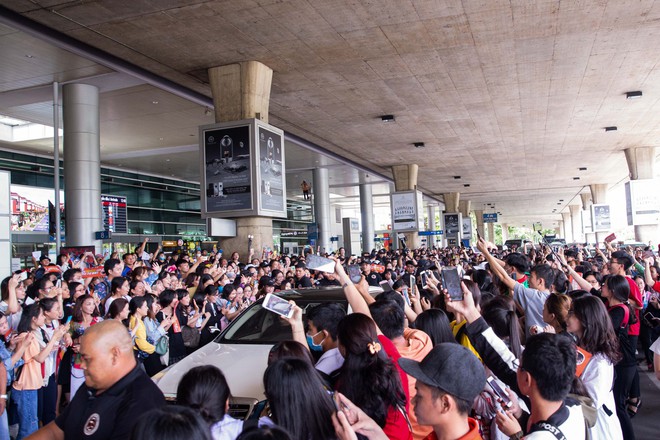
x: 116, y: 392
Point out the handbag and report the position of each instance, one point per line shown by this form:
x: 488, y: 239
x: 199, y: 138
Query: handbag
x: 162, y: 345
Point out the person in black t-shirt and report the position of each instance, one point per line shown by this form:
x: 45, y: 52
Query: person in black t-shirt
x: 302, y: 280
x: 168, y: 303
x: 115, y: 394
x: 372, y: 278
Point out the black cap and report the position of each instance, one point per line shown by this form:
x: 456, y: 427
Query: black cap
x: 450, y: 367
x: 266, y: 281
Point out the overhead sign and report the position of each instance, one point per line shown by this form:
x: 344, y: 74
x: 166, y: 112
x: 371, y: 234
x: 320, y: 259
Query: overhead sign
x: 453, y: 224
x: 490, y: 217
x: 406, y: 208
x: 587, y: 222
x: 426, y: 233
x: 602, y: 220
x: 643, y: 202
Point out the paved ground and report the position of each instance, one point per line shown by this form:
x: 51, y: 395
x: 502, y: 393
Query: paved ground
x: 646, y: 422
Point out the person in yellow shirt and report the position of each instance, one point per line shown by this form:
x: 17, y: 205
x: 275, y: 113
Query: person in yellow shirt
x: 138, y: 309
x: 458, y: 324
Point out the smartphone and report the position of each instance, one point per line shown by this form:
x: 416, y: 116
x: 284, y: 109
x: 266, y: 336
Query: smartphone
x: 354, y: 273
x: 478, y: 236
x: 648, y: 317
x: 406, y: 297
x: 425, y: 279
x: 385, y: 285
x: 451, y: 281
x: 278, y: 305
x: 499, y: 391
x: 314, y: 262
x: 68, y: 320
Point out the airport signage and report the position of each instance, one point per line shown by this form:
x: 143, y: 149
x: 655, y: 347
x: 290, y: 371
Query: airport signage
x: 406, y: 209
x: 643, y: 202
x: 490, y: 217
x: 427, y: 233
x: 242, y: 169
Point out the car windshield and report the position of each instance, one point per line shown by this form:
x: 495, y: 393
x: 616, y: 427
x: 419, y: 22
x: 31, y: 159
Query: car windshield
x: 260, y: 326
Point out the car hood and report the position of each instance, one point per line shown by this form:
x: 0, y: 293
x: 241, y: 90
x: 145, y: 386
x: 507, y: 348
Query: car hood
x: 242, y: 364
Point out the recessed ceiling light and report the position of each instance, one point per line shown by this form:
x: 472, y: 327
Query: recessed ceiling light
x: 457, y: 177
x: 154, y: 102
x: 167, y: 160
x: 387, y: 118
x: 418, y: 144
x: 561, y: 200
x: 611, y: 128
x: 634, y: 95
x: 29, y: 56
x: 582, y: 168
x: 576, y: 178
x: 160, y: 139
x: 466, y: 185
x: 559, y: 203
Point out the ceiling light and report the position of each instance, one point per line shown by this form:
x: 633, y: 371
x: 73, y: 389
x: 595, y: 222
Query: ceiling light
x: 160, y: 139
x: 582, y: 168
x: 29, y: 56
x: 561, y: 200
x: 559, y: 203
x: 611, y: 128
x: 154, y: 102
x: 418, y: 144
x: 457, y: 177
x: 634, y: 95
x: 576, y: 178
x: 387, y: 118
x: 466, y: 185
x: 167, y: 160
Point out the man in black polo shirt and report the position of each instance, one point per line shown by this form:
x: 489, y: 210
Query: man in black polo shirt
x: 302, y: 280
x: 115, y: 393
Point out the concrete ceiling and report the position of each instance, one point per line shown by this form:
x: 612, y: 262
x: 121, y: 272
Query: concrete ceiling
x: 511, y: 95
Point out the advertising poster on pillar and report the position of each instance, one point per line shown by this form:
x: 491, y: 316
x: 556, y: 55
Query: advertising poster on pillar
x: 453, y: 224
x: 642, y: 202
x: 601, y: 217
x: 404, y: 211
x: 272, y: 183
x: 227, y: 172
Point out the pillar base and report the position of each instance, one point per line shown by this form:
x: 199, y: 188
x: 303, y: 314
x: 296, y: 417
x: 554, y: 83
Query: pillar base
x: 646, y: 233
x: 261, y: 228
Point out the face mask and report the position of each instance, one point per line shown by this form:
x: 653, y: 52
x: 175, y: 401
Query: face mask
x: 312, y: 345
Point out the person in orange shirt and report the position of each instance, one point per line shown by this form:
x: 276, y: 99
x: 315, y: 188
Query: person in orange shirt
x: 448, y: 380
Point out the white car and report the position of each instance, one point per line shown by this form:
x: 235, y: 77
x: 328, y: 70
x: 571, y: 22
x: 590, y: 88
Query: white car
x: 241, y: 350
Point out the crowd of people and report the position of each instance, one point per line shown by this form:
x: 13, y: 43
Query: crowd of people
x: 538, y: 345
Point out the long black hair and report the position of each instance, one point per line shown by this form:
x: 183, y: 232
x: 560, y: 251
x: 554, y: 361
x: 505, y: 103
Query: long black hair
x: 598, y: 336
x: 500, y: 314
x: 434, y: 322
x: 298, y: 400
x: 370, y: 380
x: 205, y: 390
x: 620, y: 289
x: 29, y: 313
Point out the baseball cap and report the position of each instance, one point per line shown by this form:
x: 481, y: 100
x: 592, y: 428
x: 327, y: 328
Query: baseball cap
x: 451, y: 368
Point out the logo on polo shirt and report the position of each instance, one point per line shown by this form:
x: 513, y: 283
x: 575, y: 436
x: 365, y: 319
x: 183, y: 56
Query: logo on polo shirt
x: 92, y: 424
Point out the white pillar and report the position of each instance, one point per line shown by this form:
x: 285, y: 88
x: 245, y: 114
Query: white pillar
x: 322, y: 207
x: 367, y: 214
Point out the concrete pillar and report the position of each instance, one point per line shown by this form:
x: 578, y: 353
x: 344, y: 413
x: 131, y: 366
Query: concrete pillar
x: 82, y: 164
x: 576, y: 221
x: 505, y: 232
x: 568, y: 229
x: 367, y: 213
x: 322, y: 207
x: 480, y: 222
x: 430, y: 214
x: 452, y: 201
x: 242, y: 91
x: 464, y: 207
x: 589, y: 237
x: 405, y: 179
x: 491, y: 232
x: 599, y: 196
x: 641, y: 164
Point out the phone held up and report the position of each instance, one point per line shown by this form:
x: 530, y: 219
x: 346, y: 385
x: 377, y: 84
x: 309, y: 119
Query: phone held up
x: 278, y: 305
x: 451, y: 280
